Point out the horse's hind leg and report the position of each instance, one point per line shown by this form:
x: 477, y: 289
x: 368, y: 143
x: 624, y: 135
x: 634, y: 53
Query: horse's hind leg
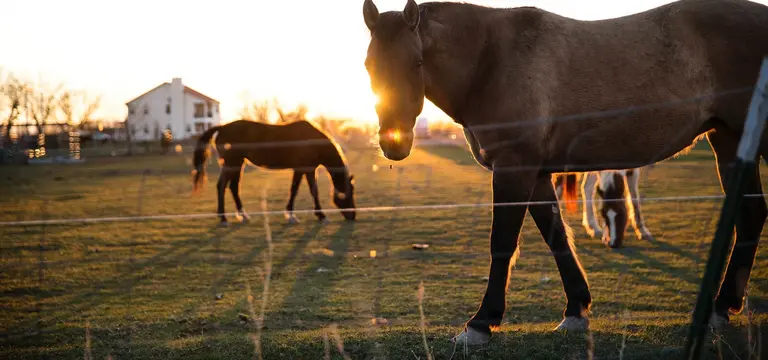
x: 312, y: 181
x: 221, y: 188
x: 289, y: 215
x: 234, y: 187
x: 558, y: 237
x: 558, y: 183
x: 633, y: 181
x: 749, y: 225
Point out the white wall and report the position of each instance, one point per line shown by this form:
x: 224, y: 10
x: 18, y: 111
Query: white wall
x: 156, y: 119
x: 182, y: 119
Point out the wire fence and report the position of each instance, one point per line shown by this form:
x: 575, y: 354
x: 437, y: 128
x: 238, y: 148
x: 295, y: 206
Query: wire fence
x: 87, y: 240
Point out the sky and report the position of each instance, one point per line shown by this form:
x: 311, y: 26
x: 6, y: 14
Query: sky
x: 299, y: 51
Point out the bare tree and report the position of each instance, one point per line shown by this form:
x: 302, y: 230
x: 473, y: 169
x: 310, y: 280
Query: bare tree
x: 256, y: 111
x: 300, y: 113
x: 91, y: 105
x: 42, y: 105
x: 263, y: 111
x: 66, y: 108
x: 14, y: 93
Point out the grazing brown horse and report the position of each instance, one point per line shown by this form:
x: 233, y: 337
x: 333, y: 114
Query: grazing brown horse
x: 515, y: 79
x: 298, y: 146
x: 619, y: 203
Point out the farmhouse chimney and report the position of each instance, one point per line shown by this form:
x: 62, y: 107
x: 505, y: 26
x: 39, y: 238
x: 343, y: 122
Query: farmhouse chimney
x: 178, y: 120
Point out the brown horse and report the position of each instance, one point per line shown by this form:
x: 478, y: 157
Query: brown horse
x: 299, y: 146
x: 619, y: 203
x: 515, y: 78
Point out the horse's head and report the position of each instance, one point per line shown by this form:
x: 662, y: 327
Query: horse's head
x: 613, y: 210
x: 394, y: 64
x: 346, y: 199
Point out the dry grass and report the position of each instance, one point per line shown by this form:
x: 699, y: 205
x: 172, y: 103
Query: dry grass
x: 148, y: 289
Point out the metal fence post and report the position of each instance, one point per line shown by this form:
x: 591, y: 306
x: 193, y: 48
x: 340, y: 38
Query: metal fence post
x: 745, y: 162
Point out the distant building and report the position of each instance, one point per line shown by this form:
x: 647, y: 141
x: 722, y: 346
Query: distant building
x: 421, y: 130
x: 184, y: 111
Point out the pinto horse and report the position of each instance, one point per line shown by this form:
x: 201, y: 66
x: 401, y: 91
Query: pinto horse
x: 298, y: 145
x: 515, y: 78
x: 619, y: 203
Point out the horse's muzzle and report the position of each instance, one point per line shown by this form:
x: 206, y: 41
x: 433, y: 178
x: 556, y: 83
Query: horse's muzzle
x: 396, y: 144
x: 349, y: 214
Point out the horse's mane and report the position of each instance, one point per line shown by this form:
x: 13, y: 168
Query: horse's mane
x: 391, y: 23
x: 333, y: 142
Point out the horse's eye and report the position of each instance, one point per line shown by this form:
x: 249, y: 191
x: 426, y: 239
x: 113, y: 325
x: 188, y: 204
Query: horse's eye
x: 418, y: 63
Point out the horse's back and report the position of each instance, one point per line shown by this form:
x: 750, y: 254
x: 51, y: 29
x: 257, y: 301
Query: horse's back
x: 294, y: 145
x: 691, y: 53
x: 692, y: 45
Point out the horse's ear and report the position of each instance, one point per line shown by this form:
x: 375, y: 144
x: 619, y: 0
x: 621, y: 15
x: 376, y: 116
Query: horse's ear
x: 411, y: 14
x: 352, y: 179
x: 370, y: 14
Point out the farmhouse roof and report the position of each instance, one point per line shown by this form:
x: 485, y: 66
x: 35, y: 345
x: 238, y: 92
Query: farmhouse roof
x: 187, y: 90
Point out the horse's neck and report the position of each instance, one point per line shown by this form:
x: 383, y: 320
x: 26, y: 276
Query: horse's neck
x: 453, y: 44
x: 337, y: 168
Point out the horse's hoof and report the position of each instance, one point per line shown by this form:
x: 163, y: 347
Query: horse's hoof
x: 243, y: 217
x: 324, y: 221
x: 593, y: 233
x: 471, y: 337
x: 223, y: 224
x: 572, y: 323
x: 648, y: 237
x: 718, y: 321
x: 293, y: 220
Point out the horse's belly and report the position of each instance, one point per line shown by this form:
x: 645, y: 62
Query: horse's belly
x: 609, y: 147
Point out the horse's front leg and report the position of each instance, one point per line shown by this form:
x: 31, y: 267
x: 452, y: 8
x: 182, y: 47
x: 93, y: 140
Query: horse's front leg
x: 557, y: 235
x: 312, y: 181
x: 588, y: 219
x: 509, y: 186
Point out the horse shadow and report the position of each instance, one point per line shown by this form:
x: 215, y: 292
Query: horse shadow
x: 90, y: 295
x: 229, y: 275
x: 606, y: 262
x: 313, y: 285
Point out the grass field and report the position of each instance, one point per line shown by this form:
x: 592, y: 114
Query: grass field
x: 177, y: 288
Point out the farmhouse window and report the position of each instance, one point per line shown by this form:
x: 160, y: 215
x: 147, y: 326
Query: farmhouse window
x: 199, y: 110
x: 146, y: 109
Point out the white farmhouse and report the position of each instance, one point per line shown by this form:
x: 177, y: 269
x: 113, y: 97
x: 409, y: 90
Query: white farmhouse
x: 186, y: 112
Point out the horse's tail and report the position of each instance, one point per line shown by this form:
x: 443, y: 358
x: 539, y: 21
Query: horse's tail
x: 569, y: 193
x: 199, y: 158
